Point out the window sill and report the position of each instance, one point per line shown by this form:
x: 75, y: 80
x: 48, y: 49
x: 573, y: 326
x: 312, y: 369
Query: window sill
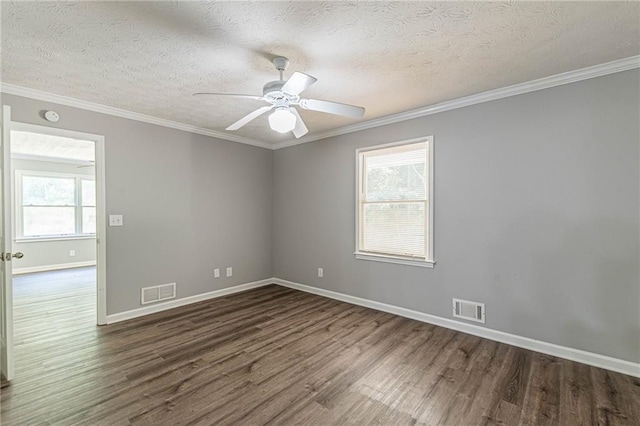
x: 45, y: 239
x: 397, y: 260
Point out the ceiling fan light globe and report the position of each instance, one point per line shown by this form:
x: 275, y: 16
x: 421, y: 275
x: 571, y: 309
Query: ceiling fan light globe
x: 282, y: 120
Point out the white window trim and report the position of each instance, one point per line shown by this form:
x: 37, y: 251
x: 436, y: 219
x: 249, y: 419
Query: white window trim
x: 54, y: 238
x: 429, y: 262
x: 19, y: 225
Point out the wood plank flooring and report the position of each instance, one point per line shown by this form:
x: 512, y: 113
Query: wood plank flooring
x: 279, y: 356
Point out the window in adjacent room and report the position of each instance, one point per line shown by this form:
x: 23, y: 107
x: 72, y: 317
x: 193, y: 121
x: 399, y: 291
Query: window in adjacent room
x: 88, y: 197
x: 52, y: 205
x: 395, y: 203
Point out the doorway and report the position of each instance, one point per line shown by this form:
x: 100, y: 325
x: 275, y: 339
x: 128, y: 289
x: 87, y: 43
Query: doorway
x: 59, y: 223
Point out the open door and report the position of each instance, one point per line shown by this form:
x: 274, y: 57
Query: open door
x: 6, y: 280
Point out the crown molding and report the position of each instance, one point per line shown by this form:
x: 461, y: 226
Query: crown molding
x: 12, y: 89
x: 491, y: 95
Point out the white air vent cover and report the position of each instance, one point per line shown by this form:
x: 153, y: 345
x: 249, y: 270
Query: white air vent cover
x: 157, y: 293
x: 472, y: 311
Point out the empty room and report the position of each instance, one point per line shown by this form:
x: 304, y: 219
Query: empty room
x: 320, y: 213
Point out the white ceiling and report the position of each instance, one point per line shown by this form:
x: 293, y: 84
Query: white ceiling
x: 390, y: 57
x: 38, y: 146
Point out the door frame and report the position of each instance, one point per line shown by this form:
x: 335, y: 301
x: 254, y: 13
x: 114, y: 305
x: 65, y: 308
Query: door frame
x: 101, y: 210
x: 6, y: 354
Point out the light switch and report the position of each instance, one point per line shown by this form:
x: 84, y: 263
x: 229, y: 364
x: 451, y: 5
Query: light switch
x: 115, y: 220
x: 229, y: 271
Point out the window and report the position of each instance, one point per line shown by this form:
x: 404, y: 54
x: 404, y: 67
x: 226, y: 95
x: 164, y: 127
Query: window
x: 395, y: 203
x: 88, y: 197
x: 52, y: 205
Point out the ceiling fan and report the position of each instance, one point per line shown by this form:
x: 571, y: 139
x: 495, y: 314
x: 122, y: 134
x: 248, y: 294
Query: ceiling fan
x: 283, y: 96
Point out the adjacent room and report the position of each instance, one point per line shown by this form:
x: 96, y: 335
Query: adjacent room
x: 54, y: 227
x: 320, y: 213
x: 54, y: 221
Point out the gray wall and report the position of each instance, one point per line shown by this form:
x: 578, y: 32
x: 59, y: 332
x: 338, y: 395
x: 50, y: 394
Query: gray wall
x: 43, y: 254
x: 190, y: 203
x: 536, y: 215
x: 537, y: 212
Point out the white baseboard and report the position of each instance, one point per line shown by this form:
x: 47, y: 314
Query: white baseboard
x: 159, y: 307
x: 43, y: 268
x: 596, y: 360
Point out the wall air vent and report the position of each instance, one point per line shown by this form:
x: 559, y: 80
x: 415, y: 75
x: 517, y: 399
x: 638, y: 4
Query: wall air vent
x: 472, y: 311
x: 157, y: 293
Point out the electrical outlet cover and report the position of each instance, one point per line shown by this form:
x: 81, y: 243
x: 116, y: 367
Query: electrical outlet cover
x: 116, y: 220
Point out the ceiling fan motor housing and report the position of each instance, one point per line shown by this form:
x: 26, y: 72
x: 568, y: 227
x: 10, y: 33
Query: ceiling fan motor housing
x: 272, y: 86
x: 272, y: 93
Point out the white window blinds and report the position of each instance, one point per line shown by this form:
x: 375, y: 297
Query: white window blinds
x: 394, y: 201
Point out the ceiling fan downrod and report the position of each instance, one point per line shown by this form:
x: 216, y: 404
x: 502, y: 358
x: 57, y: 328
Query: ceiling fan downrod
x: 281, y: 63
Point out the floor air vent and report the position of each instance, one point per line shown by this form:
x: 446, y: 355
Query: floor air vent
x: 157, y: 293
x: 472, y: 311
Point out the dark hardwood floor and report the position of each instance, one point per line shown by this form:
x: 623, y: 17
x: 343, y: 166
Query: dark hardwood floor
x: 280, y: 356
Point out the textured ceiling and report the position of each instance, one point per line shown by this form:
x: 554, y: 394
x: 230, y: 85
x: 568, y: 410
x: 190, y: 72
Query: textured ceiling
x: 38, y: 145
x: 390, y: 57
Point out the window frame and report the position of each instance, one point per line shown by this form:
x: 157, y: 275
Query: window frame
x: 428, y: 261
x: 19, y: 215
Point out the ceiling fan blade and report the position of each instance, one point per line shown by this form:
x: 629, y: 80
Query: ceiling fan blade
x: 257, y: 98
x: 298, y: 82
x: 300, y: 129
x: 247, y: 118
x: 332, y: 108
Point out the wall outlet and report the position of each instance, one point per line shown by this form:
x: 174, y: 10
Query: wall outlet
x: 216, y: 273
x: 320, y: 272
x: 72, y: 253
x: 229, y: 271
x: 116, y: 220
